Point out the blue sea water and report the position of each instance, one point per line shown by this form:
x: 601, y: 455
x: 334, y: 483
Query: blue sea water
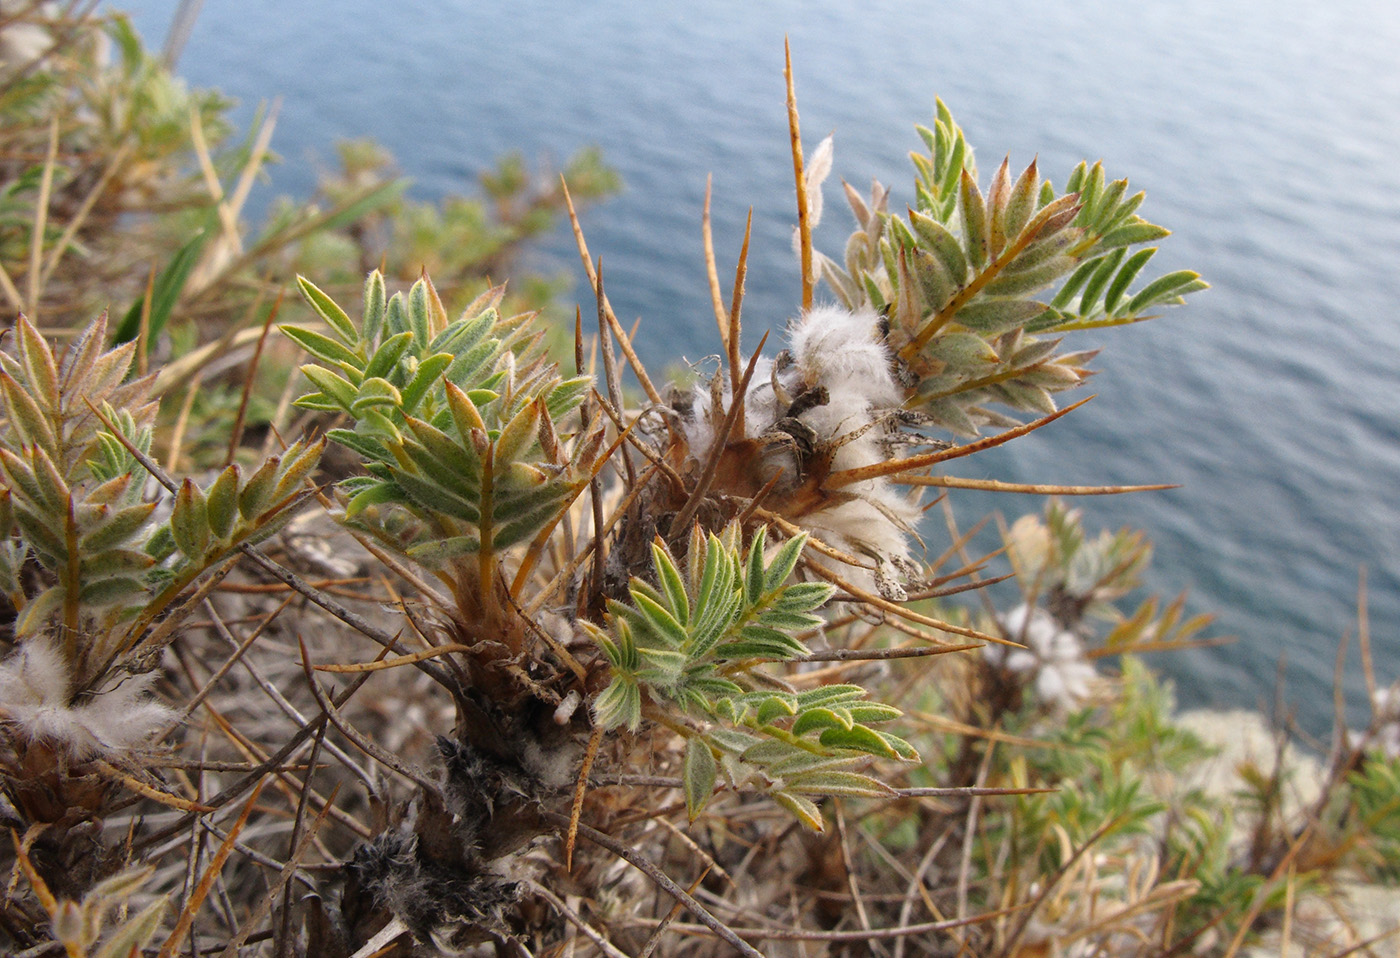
x: 1265, y: 135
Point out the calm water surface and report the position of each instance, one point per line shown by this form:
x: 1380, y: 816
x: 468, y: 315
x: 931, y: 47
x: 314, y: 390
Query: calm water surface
x: 1266, y: 136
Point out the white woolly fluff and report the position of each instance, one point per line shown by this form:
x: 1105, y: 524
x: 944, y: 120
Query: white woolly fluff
x: 1053, y: 656
x: 1386, y: 706
x: 842, y: 350
x: 34, y: 697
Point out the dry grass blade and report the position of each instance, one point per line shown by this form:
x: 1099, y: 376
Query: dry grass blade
x: 383, y: 939
x: 84, y: 209
x: 206, y: 882
x: 11, y: 291
x: 662, y: 880
x: 603, y: 303
x: 573, y: 918
x: 41, y: 215
x: 1051, y: 881
x: 381, y: 755
x: 236, y: 435
x: 1363, y: 637
x: 228, y: 219
x: 862, y: 935
x: 970, y: 791
x: 655, y: 940
x: 284, y: 881
x: 151, y: 792
x: 380, y: 664
x: 1366, y: 945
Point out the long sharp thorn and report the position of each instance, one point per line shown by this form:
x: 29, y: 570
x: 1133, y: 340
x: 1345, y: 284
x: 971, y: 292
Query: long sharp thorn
x: 804, y: 225
x: 712, y: 270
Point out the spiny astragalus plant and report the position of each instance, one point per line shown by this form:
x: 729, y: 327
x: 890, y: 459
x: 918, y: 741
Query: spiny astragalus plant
x: 638, y: 656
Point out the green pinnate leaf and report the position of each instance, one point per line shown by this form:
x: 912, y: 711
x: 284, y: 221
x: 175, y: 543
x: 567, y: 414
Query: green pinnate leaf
x: 754, y: 571
x: 757, y: 642
x: 976, y: 240
x: 619, y: 704
x: 420, y: 314
x: 25, y: 415
x: 775, y: 707
x: 781, y: 568
x: 803, y: 808
x: 434, y: 497
x: 567, y: 395
x: 802, y: 596
x: 902, y: 750
x: 1021, y: 202
x: 37, y: 360
x: 386, y: 358
x: 438, y: 552
x: 52, y: 487
x: 1076, y: 282
x: 662, y: 667
x: 1118, y: 286
x: 117, y: 528
x: 834, y: 782
x: 257, y: 494
x: 333, y: 388
x: 866, y: 712
x: 222, y: 502
x: 519, y: 434
x: 326, y: 308
x: 296, y: 463
x: 1165, y: 289
x: 377, y: 493
x: 189, y: 520
x: 39, y: 534
x: 370, y: 448
x: 1099, y: 280
x: 429, y: 372
x: 699, y: 773
x: 375, y: 308
x: 319, y: 345
x: 671, y: 581
x: 992, y: 316
x: 375, y: 392
x: 660, y: 622
x: 860, y: 739
x: 827, y: 695
x: 464, y: 334
x: 939, y: 242
x: 1132, y: 233
x: 821, y: 717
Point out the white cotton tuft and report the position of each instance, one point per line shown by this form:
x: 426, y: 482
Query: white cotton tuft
x: 1053, y: 657
x: 845, y: 352
x: 34, y: 695
x: 1385, y: 705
